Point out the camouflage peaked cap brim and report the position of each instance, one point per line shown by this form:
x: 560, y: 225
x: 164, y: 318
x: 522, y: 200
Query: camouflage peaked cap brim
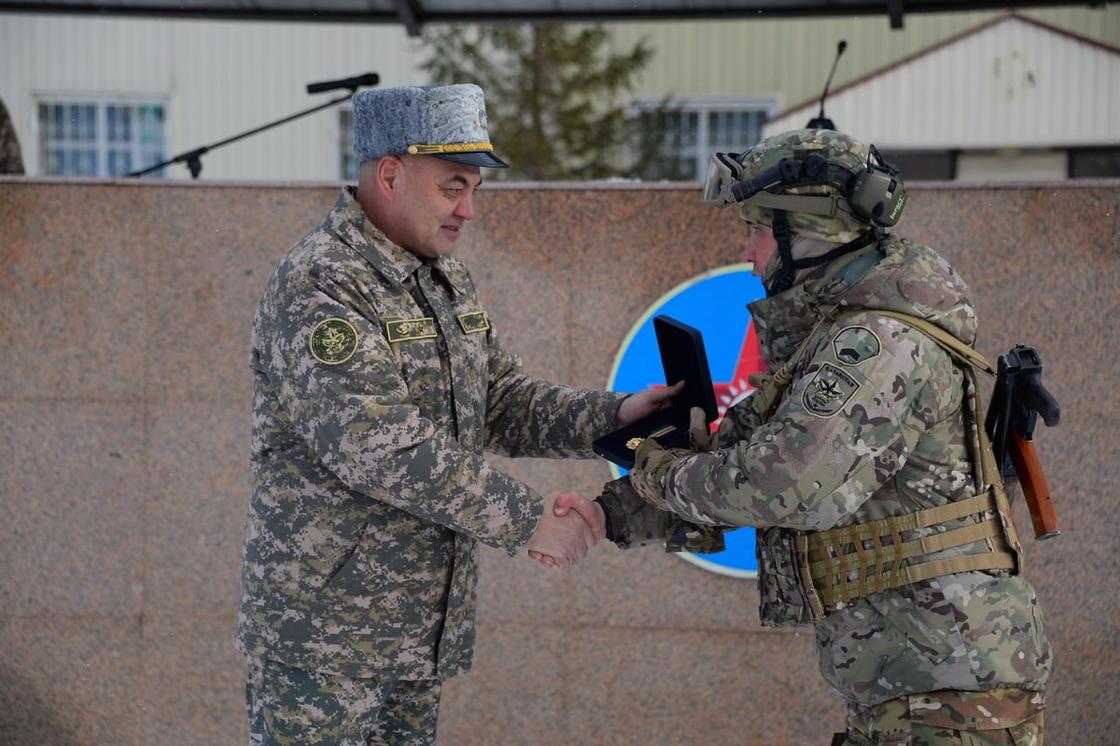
x: 797, y: 144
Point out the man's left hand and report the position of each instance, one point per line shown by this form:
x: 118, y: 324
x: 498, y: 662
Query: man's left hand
x: 644, y: 403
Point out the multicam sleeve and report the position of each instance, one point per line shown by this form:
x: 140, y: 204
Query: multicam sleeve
x: 843, y: 429
x: 341, y: 384
x: 739, y: 421
x: 529, y: 417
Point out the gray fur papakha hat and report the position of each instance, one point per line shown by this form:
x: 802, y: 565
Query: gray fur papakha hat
x: 447, y: 121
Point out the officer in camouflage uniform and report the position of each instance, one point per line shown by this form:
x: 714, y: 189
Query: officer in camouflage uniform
x: 860, y: 459
x: 11, y: 162
x: 378, y: 382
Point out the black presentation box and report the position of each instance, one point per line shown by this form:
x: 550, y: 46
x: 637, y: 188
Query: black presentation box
x: 683, y: 359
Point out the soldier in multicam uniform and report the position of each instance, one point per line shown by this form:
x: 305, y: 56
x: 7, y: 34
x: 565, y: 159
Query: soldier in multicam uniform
x: 378, y: 382
x: 861, y: 460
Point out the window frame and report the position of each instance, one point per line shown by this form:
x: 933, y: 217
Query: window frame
x: 703, y: 106
x: 101, y: 143
x: 950, y: 157
x: 1075, y: 153
x: 345, y: 143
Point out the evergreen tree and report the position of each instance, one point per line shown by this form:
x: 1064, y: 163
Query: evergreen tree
x: 554, y: 94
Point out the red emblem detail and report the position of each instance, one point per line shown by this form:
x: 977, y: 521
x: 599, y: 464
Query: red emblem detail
x: 750, y: 361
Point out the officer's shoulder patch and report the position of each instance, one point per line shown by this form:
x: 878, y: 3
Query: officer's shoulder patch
x: 333, y: 341
x: 474, y: 322
x: 407, y: 330
x: 853, y: 345
x: 829, y: 389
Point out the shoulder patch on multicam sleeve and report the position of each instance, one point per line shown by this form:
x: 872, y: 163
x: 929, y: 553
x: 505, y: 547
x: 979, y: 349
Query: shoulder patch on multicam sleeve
x: 828, y: 391
x: 853, y: 345
x: 333, y: 341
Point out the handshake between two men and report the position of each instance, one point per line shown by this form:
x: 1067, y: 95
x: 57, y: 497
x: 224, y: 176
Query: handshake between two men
x: 570, y: 524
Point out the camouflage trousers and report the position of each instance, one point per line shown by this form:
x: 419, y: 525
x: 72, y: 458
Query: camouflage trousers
x: 998, y: 717
x: 294, y: 706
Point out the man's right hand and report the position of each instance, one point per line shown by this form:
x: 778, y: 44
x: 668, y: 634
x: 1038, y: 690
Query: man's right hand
x: 589, y: 510
x: 561, y: 539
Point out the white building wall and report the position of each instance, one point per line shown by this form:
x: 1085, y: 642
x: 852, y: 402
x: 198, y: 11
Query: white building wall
x: 793, y: 57
x: 218, y: 79
x: 1013, y: 84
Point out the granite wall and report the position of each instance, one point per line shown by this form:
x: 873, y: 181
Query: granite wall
x: 124, y: 402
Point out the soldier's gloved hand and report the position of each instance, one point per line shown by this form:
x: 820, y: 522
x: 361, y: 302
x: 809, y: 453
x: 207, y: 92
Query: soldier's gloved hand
x: 617, y: 494
x: 631, y: 522
x: 651, y: 462
x: 699, y: 434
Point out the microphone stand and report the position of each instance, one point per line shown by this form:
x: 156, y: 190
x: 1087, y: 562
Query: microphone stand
x: 193, y: 158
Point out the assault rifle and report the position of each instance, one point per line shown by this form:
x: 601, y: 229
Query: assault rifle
x: 1017, y: 401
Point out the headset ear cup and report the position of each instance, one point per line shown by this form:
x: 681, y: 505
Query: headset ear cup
x: 875, y: 195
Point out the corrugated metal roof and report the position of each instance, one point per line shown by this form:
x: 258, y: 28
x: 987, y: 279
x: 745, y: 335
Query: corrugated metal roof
x: 416, y: 13
x: 1010, y: 82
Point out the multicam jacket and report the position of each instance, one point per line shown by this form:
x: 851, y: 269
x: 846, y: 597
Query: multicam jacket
x: 872, y: 425
x: 378, y: 382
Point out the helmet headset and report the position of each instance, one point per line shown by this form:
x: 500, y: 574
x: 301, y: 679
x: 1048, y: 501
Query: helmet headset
x: 872, y: 195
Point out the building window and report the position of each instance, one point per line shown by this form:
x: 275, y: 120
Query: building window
x: 94, y: 137
x: 1012, y: 164
x: 923, y: 165
x: 675, y: 139
x: 348, y: 164
x: 1094, y: 163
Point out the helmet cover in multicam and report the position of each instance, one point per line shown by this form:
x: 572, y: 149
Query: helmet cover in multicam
x: 798, y: 144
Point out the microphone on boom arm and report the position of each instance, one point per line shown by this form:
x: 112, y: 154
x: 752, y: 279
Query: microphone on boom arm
x: 193, y: 158
x: 354, y: 83
x: 820, y: 121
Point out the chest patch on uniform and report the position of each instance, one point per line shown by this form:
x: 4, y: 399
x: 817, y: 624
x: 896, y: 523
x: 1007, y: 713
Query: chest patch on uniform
x: 476, y: 321
x: 855, y: 344
x: 333, y: 341
x: 406, y: 330
x: 828, y: 391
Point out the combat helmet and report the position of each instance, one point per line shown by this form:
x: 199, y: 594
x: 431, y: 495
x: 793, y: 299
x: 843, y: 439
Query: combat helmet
x: 820, y: 183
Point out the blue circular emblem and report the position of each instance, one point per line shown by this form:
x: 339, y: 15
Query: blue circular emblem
x: 715, y: 303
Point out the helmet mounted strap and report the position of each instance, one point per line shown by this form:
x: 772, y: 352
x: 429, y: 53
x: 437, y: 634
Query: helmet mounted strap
x: 783, y: 279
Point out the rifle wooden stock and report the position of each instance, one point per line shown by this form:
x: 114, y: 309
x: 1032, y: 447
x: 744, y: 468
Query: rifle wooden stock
x: 1035, y: 490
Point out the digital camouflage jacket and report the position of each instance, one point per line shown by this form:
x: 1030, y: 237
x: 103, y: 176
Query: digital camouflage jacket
x: 378, y: 382
x: 871, y: 426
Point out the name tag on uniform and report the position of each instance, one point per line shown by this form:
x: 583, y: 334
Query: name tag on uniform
x: 473, y: 322
x: 406, y: 330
